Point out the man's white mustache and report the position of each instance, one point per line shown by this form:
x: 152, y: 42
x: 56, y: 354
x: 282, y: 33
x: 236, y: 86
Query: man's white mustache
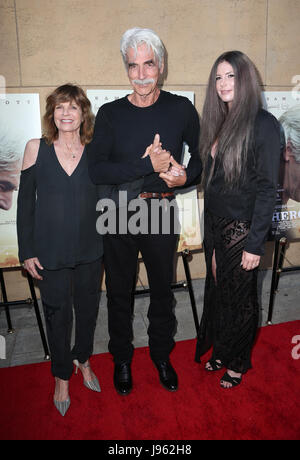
x: 143, y: 82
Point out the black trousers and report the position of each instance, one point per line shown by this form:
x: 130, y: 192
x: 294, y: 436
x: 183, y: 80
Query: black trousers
x: 61, y: 290
x: 120, y: 261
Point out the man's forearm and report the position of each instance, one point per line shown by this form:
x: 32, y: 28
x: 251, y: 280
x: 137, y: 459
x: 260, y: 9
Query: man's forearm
x: 107, y: 172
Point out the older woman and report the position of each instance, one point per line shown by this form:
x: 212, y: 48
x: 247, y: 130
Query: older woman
x: 240, y: 147
x: 58, y: 241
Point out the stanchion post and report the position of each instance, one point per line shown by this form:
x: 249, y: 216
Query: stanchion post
x: 274, y: 281
x: 185, y: 255
x: 38, y: 316
x: 282, y: 247
x: 10, y: 329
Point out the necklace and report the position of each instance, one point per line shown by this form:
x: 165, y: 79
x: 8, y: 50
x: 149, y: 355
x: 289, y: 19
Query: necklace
x: 70, y: 150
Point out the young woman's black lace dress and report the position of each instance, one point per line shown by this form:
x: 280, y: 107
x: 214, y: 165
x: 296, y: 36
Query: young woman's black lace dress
x: 230, y: 315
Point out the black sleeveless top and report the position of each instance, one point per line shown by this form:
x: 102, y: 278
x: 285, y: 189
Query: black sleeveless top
x: 56, y: 217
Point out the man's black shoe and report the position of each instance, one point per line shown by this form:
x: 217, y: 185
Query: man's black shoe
x: 167, y: 375
x: 122, y: 378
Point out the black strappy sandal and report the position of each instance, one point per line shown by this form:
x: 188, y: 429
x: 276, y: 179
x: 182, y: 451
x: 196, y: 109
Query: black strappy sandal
x: 215, y: 366
x: 235, y: 381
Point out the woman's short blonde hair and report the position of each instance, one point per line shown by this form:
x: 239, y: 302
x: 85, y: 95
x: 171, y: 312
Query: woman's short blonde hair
x: 68, y: 93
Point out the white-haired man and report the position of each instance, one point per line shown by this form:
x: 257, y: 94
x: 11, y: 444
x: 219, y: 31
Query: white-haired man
x: 10, y: 166
x: 118, y: 155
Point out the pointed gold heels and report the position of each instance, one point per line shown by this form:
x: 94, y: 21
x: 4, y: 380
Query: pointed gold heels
x: 90, y: 384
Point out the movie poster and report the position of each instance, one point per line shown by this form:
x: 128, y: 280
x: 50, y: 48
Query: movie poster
x: 189, y: 206
x: 285, y: 106
x: 19, y: 122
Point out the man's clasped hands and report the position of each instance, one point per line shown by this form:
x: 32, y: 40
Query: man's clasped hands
x: 163, y: 163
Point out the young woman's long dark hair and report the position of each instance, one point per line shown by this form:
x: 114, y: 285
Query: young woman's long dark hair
x: 232, y: 129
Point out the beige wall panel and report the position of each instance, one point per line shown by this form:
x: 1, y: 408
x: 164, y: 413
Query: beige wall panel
x: 196, y: 33
x: 79, y: 41
x: 9, y: 62
x: 67, y: 40
x: 283, y: 56
x: 72, y: 41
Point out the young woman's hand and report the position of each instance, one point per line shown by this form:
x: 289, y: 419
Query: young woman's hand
x: 250, y: 261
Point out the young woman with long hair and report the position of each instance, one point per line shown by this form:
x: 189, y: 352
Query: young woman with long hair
x: 240, y: 149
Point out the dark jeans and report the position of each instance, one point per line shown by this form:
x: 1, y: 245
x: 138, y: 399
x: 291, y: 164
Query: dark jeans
x: 60, y: 291
x: 120, y: 260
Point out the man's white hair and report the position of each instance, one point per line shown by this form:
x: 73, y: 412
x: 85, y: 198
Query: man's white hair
x: 9, y: 154
x: 132, y: 38
x: 290, y: 121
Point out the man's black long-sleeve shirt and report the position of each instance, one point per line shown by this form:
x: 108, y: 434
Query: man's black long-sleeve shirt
x: 123, y: 131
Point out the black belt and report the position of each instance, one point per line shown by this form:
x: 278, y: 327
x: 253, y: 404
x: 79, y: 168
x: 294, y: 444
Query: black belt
x: 155, y: 194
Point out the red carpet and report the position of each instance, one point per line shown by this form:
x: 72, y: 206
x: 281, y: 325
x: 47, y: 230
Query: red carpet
x: 265, y: 406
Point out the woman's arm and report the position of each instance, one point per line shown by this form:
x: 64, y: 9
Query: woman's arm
x: 26, y: 209
x: 30, y: 153
x: 267, y: 155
